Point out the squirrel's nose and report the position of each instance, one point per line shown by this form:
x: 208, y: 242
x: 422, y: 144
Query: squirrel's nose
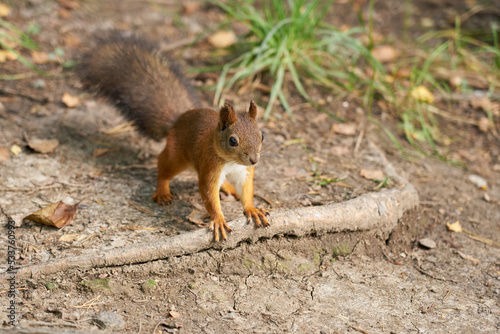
x: 253, y: 161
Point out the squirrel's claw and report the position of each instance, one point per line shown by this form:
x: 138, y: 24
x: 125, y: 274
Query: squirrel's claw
x: 258, y: 215
x: 220, y: 227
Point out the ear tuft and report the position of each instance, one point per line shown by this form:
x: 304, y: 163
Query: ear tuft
x: 252, y: 110
x: 227, y: 116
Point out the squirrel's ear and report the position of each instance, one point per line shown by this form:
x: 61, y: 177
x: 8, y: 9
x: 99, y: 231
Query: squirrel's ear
x: 252, y: 110
x: 227, y: 116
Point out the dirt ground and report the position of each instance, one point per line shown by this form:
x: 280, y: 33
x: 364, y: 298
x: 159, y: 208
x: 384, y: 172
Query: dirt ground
x: 353, y: 282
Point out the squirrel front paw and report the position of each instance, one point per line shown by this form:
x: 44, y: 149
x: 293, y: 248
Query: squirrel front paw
x: 220, y: 227
x: 258, y: 215
x: 162, y: 198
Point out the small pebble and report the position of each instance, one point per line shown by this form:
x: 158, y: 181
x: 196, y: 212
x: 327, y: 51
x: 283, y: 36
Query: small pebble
x: 39, y: 84
x: 109, y: 320
x: 427, y: 243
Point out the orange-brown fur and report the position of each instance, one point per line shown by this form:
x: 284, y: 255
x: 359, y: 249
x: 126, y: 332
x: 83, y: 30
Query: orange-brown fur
x: 129, y: 71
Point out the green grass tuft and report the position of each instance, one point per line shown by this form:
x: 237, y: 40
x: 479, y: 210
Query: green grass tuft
x: 290, y: 42
x: 11, y: 39
x: 289, y: 39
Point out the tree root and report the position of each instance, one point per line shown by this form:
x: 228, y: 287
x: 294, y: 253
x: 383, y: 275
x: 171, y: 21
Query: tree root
x: 378, y: 212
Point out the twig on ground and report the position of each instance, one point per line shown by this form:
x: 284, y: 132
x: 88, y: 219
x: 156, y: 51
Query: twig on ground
x: 43, y: 100
x: 268, y: 201
x: 358, y: 141
x: 359, y: 330
x: 431, y: 275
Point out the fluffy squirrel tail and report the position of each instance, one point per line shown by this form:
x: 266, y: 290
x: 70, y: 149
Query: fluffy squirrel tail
x: 145, y: 86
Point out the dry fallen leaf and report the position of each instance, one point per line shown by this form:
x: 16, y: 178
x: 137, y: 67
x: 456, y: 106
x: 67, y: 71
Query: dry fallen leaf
x: 4, y: 10
x: 70, y: 101
x: 174, y: 314
x: 45, y: 182
x: 64, y: 13
x: 68, y: 237
x: 15, y: 149
x: 4, y: 154
x: 40, y: 57
x: 189, y: 7
x: 455, y: 227
x: 384, y: 53
x: 486, y: 104
x: 196, y: 217
x: 372, y: 174
x: 43, y: 145
x: 422, y: 94
x: 69, y: 4
x: 57, y: 214
x: 222, y: 39
x: 7, y: 55
x: 483, y: 124
x: 72, y: 40
x: 347, y: 129
x: 99, y: 151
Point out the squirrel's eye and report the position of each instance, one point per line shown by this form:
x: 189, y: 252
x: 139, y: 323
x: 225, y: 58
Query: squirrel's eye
x: 262, y: 136
x: 233, y: 141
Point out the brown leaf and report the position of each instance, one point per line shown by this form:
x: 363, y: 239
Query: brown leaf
x: 483, y: 124
x: 384, y: 53
x: 42, y: 145
x: 40, y: 57
x: 222, y: 39
x: 486, y: 104
x: 68, y: 237
x: 70, y: 101
x: 372, y: 174
x: 346, y: 129
x: 196, y: 217
x: 64, y: 13
x: 69, y: 4
x: 72, y: 40
x: 57, y: 214
x: 4, y: 154
x: 189, y: 7
x: 455, y: 227
x: 174, y: 314
x: 7, y: 55
x: 99, y: 151
x: 4, y: 10
x: 43, y: 183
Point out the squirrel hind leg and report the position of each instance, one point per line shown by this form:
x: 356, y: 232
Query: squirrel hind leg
x: 228, y: 189
x: 170, y: 163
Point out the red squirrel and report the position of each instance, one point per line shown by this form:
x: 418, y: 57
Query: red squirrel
x: 223, y: 147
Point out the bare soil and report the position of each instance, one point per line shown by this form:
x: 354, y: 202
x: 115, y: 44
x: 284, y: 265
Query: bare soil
x: 355, y: 282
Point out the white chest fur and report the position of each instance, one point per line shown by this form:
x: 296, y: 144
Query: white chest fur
x: 236, y: 175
